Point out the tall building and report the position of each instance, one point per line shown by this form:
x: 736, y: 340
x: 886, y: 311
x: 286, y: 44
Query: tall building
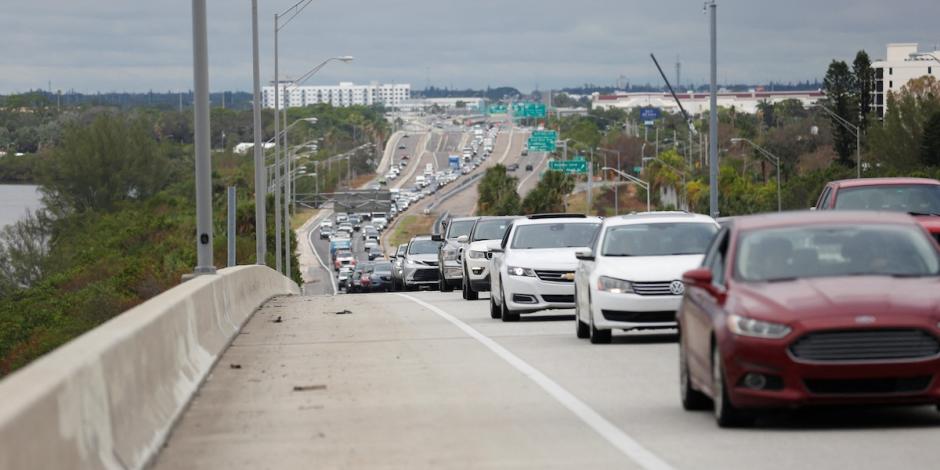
x: 342, y: 95
x: 902, y: 64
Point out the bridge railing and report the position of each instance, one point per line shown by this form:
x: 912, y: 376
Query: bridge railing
x: 109, y: 398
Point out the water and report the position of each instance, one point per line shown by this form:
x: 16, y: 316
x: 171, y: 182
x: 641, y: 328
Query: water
x: 15, y: 199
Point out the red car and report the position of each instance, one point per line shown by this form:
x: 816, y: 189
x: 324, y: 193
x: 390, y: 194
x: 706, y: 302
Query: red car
x: 810, y: 308
x: 919, y: 197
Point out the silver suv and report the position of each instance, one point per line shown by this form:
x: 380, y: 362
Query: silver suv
x: 448, y: 259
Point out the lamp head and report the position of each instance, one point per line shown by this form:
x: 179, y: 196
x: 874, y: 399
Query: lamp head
x: 345, y: 58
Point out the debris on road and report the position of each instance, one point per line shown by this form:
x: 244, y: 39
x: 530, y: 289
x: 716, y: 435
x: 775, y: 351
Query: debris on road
x: 343, y: 312
x: 307, y: 388
x: 234, y: 366
x: 277, y: 320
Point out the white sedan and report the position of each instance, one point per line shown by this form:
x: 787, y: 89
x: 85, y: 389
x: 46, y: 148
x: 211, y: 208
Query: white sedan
x: 631, y: 278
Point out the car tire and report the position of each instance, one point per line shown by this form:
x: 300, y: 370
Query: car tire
x: 598, y: 336
x: 468, y: 292
x: 495, y: 310
x: 507, y: 314
x: 726, y: 414
x: 692, y: 399
x: 581, y: 329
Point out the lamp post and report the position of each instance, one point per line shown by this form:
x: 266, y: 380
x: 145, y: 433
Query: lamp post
x: 852, y: 128
x: 682, y: 172
x: 287, y: 161
x: 204, y: 264
x: 643, y: 184
x: 773, y: 158
x: 261, y: 191
x: 616, y: 186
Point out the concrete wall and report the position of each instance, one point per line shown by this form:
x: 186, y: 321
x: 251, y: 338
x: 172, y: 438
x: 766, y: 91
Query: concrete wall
x: 108, y: 399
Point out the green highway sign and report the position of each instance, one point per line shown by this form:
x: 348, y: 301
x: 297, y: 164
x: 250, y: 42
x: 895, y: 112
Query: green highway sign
x: 542, y: 141
x: 528, y: 110
x: 498, y: 108
x: 569, y: 166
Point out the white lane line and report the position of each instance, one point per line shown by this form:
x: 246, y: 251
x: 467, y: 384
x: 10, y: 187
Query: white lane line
x: 612, y: 434
x: 329, y: 272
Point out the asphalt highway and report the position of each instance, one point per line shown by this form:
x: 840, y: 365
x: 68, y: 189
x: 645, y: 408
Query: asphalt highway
x: 428, y: 380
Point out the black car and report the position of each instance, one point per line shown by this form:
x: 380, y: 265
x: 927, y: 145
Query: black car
x: 528, y: 168
x: 356, y: 221
x: 381, y: 278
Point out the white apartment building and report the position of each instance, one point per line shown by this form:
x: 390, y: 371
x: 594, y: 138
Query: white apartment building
x: 902, y: 64
x: 342, y: 95
x: 697, y: 103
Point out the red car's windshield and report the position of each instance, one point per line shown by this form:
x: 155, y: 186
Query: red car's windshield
x: 918, y: 198
x: 825, y: 251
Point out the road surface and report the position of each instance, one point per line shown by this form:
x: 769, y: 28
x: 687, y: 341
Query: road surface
x: 427, y: 380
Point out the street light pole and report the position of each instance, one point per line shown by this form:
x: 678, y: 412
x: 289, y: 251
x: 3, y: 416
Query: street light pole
x: 643, y: 184
x: 277, y: 156
x: 769, y: 156
x: 204, y: 264
x: 713, y: 113
x: 261, y: 225
x: 616, y: 186
x: 858, y: 137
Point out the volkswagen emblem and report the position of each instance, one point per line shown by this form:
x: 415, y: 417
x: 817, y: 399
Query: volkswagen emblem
x: 677, y: 288
x: 864, y: 319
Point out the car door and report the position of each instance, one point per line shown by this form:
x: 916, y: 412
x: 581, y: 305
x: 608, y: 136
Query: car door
x: 699, y: 308
x: 582, y: 275
x: 496, y: 265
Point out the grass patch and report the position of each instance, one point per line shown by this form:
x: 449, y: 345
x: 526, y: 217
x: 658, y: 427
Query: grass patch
x: 410, y: 226
x: 301, y: 217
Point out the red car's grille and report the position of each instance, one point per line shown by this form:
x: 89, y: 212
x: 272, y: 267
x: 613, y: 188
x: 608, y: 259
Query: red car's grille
x: 865, y: 345
x: 868, y: 386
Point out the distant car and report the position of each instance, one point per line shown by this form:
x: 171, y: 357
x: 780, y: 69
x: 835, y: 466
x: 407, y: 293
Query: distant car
x: 381, y: 277
x: 528, y: 168
x: 342, y: 278
x: 475, y: 257
x: 632, y: 277
x: 401, y: 147
x: 343, y: 258
x: 919, y: 197
x: 325, y: 232
x: 420, y: 263
x: 449, y: 272
x: 373, y: 249
x: 398, y: 267
x: 512, y: 167
x: 356, y: 222
x: 811, y: 308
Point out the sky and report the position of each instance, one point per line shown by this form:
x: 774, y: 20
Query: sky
x: 138, y: 45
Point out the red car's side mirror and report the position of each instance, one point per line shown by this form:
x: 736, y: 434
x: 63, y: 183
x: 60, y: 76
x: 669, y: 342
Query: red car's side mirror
x: 701, y: 277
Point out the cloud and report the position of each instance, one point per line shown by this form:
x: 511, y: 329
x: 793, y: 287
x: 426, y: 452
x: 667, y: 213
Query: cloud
x: 104, y: 45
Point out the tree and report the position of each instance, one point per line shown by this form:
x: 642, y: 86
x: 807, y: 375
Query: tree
x: 549, y: 194
x: 97, y: 165
x: 839, y: 86
x: 864, y: 82
x: 460, y: 104
x: 930, y: 143
x: 24, y: 247
x: 897, y: 143
x: 497, y: 193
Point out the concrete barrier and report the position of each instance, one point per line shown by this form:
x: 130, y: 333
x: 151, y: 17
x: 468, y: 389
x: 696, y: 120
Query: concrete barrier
x: 108, y: 399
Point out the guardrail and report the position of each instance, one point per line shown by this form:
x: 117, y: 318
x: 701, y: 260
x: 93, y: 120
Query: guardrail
x: 453, y: 192
x: 109, y: 398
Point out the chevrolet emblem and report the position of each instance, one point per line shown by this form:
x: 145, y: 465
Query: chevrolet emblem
x: 568, y: 276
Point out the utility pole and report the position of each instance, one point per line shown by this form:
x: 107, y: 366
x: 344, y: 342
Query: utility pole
x: 277, y: 159
x: 713, y: 113
x: 201, y: 136
x: 261, y: 189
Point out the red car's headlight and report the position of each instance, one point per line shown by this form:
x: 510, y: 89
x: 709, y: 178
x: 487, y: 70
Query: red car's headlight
x: 756, y: 328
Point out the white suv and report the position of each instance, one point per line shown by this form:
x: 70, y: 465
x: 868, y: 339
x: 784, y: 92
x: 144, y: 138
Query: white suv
x: 475, y: 258
x: 533, y: 268
x: 631, y: 277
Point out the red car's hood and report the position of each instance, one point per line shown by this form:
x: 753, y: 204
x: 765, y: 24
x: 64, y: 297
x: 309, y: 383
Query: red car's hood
x: 832, y: 298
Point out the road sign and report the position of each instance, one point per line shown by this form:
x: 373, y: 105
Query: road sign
x: 569, y: 166
x: 649, y: 115
x: 542, y: 141
x: 497, y: 108
x: 528, y: 110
